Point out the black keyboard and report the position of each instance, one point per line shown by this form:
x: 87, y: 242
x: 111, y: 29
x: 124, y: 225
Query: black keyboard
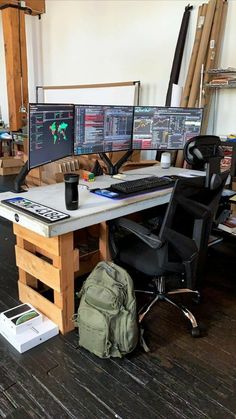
x: 142, y: 185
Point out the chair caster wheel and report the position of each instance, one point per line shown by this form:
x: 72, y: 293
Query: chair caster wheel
x: 195, y: 332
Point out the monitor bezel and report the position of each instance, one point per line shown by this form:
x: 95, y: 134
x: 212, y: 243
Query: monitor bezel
x: 28, y: 142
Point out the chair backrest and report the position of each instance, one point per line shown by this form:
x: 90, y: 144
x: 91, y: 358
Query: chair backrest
x: 204, y: 152
x: 190, y: 213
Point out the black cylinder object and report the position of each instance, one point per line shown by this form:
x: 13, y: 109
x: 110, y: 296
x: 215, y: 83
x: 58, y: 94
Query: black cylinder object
x: 71, y: 191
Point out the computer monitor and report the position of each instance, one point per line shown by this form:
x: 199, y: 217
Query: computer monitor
x: 51, y: 133
x: 102, y: 128
x: 165, y: 128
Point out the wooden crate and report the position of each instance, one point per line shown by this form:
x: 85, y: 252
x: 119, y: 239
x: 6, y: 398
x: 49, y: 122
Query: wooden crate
x: 48, y: 268
x: 10, y: 165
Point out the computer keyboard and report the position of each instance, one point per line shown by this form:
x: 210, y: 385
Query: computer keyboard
x: 142, y: 185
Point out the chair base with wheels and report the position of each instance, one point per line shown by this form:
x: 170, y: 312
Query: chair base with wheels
x: 159, y: 294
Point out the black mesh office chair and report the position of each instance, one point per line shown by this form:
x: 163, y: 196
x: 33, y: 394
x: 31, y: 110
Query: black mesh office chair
x: 176, y: 249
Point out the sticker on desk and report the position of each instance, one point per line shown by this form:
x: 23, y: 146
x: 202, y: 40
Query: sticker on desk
x: 46, y: 214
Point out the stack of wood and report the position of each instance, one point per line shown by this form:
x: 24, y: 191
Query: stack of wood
x: 205, y: 55
x: 54, y: 172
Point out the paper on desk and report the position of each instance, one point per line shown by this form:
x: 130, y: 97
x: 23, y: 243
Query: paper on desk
x: 187, y: 174
x: 233, y: 198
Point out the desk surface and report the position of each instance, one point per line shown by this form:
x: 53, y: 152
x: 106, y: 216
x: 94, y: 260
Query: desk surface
x: 93, y: 209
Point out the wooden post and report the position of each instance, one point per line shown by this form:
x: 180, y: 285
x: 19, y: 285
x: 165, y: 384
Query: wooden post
x: 202, y: 53
x: 14, y: 51
x: 13, y: 20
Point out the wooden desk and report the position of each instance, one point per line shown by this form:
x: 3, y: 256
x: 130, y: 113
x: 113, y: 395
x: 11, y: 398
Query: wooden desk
x: 45, y: 253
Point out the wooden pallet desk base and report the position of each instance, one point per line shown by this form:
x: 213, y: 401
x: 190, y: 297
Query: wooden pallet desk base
x: 50, y: 262
x: 53, y: 263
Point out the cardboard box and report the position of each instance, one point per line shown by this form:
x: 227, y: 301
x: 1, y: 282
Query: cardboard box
x: 10, y: 165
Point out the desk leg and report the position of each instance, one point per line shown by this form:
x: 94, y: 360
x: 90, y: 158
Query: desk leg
x: 103, y: 242
x: 49, y: 262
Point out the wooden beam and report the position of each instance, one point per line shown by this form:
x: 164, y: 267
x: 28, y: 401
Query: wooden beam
x: 10, y: 20
x: 36, y: 7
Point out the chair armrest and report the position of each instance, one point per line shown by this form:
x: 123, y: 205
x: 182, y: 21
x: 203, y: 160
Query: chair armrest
x: 140, y: 231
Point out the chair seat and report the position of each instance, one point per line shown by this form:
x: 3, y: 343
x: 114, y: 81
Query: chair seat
x: 135, y: 253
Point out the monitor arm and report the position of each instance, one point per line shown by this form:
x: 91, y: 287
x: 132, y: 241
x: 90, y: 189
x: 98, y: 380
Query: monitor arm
x: 20, y: 179
x: 113, y: 169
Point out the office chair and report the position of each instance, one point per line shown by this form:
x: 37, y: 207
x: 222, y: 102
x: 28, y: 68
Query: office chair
x: 177, y: 249
x: 204, y: 152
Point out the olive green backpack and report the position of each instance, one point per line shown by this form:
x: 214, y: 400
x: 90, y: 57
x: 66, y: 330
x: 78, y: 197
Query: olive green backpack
x: 107, y: 317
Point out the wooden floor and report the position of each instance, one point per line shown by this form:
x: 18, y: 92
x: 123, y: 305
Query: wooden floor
x: 181, y: 377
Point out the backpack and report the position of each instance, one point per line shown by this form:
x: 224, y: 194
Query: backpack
x: 107, y: 317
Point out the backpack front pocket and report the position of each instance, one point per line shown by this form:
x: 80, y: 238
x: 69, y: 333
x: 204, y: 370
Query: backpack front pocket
x: 94, y: 331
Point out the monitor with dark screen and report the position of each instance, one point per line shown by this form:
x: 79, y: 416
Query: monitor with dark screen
x: 102, y: 128
x: 165, y: 128
x: 51, y: 133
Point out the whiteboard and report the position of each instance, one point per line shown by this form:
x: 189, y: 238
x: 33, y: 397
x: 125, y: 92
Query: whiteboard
x: 126, y: 93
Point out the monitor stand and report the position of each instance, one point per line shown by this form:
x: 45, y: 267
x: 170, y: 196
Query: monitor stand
x: 113, y: 169
x: 20, y: 179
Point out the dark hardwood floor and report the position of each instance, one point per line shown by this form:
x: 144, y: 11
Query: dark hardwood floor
x: 181, y: 377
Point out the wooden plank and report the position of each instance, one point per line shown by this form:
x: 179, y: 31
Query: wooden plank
x: 56, y: 259
x: 6, y: 407
x: 10, y: 22
x: 23, y: 68
x: 38, y: 268
x: 104, y: 242
x: 86, y: 86
x: 113, y: 401
x: 5, y: 380
x: 30, y: 392
x: 27, y: 279
x: 49, y: 244
x: 27, y: 294
x: 201, y: 53
x: 66, y: 250
x: 88, y: 262
x: 3, y: 2
x: 38, y: 392
x: 24, y: 276
x: 37, y: 6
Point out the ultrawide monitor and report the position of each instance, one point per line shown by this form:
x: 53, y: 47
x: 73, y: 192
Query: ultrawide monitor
x: 102, y: 128
x: 51, y: 133
x: 165, y: 128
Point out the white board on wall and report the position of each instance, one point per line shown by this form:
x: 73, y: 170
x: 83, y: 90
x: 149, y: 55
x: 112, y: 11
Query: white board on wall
x: 123, y: 93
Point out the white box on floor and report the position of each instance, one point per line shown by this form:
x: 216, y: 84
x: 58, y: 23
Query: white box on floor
x: 20, y: 318
x: 29, y: 337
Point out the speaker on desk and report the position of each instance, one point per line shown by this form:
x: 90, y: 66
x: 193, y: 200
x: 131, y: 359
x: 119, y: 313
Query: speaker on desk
x: 165, y: 160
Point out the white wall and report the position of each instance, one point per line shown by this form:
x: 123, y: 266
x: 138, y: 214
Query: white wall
x: 106, y: 41
x: 92, y: 41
